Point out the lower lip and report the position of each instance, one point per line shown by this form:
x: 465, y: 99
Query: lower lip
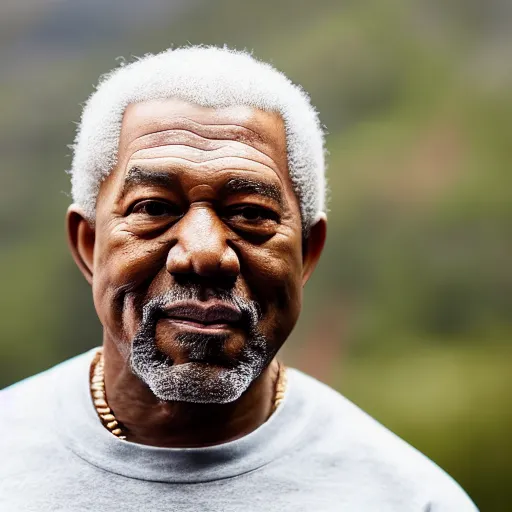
x: 190, y: 325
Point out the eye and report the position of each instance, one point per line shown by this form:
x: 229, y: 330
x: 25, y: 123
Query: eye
x: 251, y: 214
x: 154, y: 208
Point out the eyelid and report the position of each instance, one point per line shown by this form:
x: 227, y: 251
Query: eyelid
x: 272, y: 214
x: 148, y: 200
x: 240, y: 206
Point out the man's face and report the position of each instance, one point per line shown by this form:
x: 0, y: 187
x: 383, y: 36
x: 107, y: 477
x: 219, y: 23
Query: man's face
x: 198, y: 264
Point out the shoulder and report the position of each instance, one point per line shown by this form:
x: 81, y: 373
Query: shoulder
x: 374, y: 452
x: 34, y: 397
x: 31, y: 416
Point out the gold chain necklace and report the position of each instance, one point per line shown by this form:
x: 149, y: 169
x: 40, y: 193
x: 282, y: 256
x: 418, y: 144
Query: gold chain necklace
x: 106, y: 415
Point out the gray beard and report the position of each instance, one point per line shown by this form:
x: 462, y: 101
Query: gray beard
x: 216, y: 380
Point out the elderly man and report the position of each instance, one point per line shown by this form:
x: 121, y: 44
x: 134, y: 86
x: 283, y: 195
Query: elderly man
x: 198, y: 216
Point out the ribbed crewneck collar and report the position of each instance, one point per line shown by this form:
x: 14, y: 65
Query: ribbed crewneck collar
x: 84, y: 434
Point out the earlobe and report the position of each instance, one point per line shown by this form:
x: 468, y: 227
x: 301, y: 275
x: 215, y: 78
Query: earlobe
x: 313, y: 247
x: 81, y: 238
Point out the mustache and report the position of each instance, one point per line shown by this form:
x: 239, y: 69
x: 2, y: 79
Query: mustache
x: 155, y: 308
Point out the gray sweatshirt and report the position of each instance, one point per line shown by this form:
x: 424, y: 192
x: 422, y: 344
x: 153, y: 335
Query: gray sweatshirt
x: 317, y: 452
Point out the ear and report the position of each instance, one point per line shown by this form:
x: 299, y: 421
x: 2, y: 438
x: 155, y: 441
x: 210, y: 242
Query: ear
x: 81, y: 237
x: 313, y: 246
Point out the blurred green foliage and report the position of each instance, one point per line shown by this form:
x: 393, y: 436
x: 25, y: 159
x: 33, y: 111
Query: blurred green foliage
x: 409, y: 313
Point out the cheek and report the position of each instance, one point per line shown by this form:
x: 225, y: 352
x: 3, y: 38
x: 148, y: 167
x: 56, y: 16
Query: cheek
x: 124, y: 268
x: 274, y: 276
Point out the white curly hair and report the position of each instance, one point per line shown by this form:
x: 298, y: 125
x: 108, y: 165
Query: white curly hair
x: 210, y: 77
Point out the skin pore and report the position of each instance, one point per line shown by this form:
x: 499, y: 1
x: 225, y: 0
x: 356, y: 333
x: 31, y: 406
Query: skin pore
x: 201, y: 200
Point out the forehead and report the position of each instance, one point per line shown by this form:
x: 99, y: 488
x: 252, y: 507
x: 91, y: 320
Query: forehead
x: 238, y: 129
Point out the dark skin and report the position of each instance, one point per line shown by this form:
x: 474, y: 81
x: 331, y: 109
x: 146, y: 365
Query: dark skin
x: 198, y: 195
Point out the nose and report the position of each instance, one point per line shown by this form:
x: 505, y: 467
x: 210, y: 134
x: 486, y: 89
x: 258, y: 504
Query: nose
x: 201, y: 246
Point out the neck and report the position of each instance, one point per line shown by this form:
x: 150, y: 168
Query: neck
x: 148, y: 420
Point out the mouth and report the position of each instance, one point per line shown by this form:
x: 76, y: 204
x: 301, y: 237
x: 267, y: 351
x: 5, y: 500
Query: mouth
x: 208, y: 316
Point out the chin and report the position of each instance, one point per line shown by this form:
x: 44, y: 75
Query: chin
x: 197, y: 367
x: 200, y: 382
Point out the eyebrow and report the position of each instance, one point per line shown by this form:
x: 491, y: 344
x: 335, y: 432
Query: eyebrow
x: 249, y: 186
x: 137, y: 176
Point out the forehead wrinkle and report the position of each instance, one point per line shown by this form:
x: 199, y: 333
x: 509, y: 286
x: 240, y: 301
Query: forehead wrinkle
x: 194, y: 164
x: 177, y: 136
x: 198, y: 156
x: 238, y: 129
x: 232, y: 131
x: 161, y: 137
